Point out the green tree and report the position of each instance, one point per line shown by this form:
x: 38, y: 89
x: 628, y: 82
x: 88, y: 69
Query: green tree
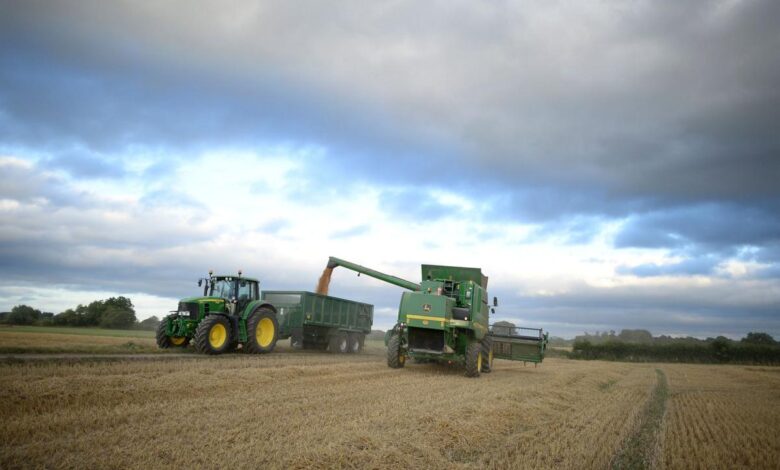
x: 23, y: 315
x: 114, y: 317
x: 150, y: 323
x: 758, y: 338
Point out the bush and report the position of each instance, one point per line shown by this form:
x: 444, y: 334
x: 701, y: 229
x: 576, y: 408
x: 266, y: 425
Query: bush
x: 719, y: 350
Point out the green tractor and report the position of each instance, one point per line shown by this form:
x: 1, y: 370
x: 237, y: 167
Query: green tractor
x: 445, y: 319
x: 229, y: 313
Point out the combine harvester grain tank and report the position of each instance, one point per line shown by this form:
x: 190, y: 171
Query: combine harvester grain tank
x: 445, y: 318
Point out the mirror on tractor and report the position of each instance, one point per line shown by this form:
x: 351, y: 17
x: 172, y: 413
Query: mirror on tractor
x: 200, y: 282
x: 495, y: 301
x: 492, y: 310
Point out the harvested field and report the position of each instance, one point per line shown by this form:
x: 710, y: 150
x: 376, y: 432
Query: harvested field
x: 722, y: 417
x: 300, y: 409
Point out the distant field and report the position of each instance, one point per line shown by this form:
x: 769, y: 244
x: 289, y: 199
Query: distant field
x: 301, y: 409
x: 69, y: 330
x: 41, y: 339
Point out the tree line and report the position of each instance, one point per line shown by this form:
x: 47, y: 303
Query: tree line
x: 642, y: 346
x: 114, y: 312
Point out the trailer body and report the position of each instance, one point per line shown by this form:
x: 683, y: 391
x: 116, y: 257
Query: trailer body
x: 314, y: 321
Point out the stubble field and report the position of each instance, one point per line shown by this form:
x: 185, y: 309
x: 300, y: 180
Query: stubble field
x: 298, y: 409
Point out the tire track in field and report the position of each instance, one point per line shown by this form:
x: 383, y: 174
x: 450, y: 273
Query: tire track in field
x: 639, y: 449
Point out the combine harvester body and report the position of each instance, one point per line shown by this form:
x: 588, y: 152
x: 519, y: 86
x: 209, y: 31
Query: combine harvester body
x: 445, y: 318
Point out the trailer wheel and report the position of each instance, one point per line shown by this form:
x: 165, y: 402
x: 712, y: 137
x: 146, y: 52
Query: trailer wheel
x: 487, y: 354
x: 262, y: 331
x: 213, y: 335
x: 339, y: 343
x: 473, y: 359
x: 355, y: 343
x: 395, y: 359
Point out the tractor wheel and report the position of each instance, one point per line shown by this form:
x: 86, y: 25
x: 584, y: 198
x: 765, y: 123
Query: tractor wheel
x: 395, y: 359
x: 487, y: 354
x: 354, y: 343
x: 339, y: 343
x: 164, y: 341
x: 213, y: 335
x: 473, y: 359
x: 262, y: 331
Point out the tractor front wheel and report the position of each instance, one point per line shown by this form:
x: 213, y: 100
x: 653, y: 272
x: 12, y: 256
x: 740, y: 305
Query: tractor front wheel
x: 395, y: 359
x: 164, y: 341
x: 262, y: 331
x: 213, y: 335
x: 473, y: 359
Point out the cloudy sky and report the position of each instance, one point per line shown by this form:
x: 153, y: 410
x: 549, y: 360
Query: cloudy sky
x: 608, y: 164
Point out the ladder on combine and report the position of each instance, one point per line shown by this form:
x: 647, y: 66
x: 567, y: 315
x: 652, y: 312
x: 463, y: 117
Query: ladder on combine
x: 518, y: 344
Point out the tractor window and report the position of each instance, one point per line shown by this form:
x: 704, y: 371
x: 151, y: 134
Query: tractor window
x: 222, y: 288
x: 245, y: 290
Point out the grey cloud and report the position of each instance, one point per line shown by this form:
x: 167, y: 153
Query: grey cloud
x: 690, y: 267
x: 645, y: 100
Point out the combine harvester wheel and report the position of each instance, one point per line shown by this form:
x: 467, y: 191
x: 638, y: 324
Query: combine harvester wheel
x: 473, y: 359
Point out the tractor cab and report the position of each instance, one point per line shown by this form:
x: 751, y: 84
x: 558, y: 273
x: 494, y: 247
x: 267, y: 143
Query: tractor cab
x: 237, y: 291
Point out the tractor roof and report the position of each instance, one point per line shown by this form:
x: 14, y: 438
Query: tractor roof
x: 222, y: 276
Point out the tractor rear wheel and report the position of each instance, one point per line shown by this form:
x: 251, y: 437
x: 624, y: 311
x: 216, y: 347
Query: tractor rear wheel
x: 339, y: 343
x: 487, y: 354
x: 395, y: 359
x: 164, y: 341
x: 473, y: 359
x: 262, y: 331
x: 213, y: 335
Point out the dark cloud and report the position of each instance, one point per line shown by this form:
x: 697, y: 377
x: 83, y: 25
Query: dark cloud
x: 706, y: 227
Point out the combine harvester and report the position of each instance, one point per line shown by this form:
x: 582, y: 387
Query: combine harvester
x: 231, y: 311
x: 445, y: 319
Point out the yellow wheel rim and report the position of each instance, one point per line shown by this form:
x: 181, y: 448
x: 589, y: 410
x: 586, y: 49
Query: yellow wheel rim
x: 479, y: 361
x: 264, y: 333
x: 217, y: 335
x: 490, y: 358
x: 402, y: 359
x: 177, y: 340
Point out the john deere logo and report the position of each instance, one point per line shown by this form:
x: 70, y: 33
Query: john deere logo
x: 426, y: 307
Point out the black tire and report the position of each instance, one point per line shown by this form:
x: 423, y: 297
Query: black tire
x: 262, y: 331
x: 213, y: 335
x: 487, y: 354
x: 473, y: 359
x: 164, y: 341
x: 339, y: 343
x: 354, y: 345
x: 395, y: 360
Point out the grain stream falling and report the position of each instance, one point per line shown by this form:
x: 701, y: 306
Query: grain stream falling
x: 324, y: 282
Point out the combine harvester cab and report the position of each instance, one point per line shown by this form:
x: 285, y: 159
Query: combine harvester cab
x: 445, y: 319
